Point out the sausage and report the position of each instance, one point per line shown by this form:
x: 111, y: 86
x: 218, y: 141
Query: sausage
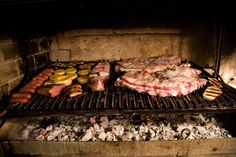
x: 44, y: 77
x: 21, y: 95
x: 29, y: 90
x: 36, y: 83
x: 18, y: 100
x: 38, y: 78
x: 50, y: 71
x: 30, y: 86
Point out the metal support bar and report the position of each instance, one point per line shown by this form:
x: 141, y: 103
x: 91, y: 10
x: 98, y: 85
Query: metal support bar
x: 220, y: 43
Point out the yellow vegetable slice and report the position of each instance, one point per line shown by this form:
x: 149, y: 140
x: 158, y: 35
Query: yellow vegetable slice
x: 83, y: 79
x: 63, y: 80
x: 52, y: 77
x: 59, y: 72
x: 83, y: 72
x: 71, y: 70
x: 72, y: 76
x: 48, y: 82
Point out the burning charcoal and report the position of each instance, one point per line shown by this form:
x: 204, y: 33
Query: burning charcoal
x: 204, y: 119
x: 88, y: 135
x: 109, y: 136
x: 113, y: 122
x: 104, y: 121
x: 118, y: 130
x: 72, y: 139
x: 47, y: 121
x: 102, y: 136
x: 52, y: 134
x: 65, y: 138
x: 40, y: 138
x: 43, y: 132
x: 185, y: 133
x: 122, y: 128
x: 76, y: 128
x: 94, y: 138
x: 137, y: 120
x: 129, y: 135
x: 49, y: 128
x: 92, y: 119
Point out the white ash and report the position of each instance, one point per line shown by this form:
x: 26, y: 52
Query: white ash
x: 124, y: 128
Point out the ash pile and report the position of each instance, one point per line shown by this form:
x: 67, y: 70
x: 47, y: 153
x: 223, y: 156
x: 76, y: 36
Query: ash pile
x: 124, y: 128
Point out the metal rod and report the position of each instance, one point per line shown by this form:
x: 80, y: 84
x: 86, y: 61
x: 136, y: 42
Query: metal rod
x: 220, y: 44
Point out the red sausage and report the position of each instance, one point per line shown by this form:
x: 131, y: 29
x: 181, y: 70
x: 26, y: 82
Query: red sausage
x: 30, y: 86
x: 44, y: 77
x: 36, y: 83
x: 50, y: 71
x: 38, y: 78
x: 21, y: 95
x: 27, y: 90
x: 18, y: 100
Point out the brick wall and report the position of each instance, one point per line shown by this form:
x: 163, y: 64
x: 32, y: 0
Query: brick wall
x: 193, y: 43
x: 16, y: 56
x: 11, y: 69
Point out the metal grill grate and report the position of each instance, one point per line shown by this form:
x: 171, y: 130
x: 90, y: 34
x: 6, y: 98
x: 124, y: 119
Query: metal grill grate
x: 118, y: 100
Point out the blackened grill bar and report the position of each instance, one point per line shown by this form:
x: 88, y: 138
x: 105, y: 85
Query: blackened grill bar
x: 118, y: 100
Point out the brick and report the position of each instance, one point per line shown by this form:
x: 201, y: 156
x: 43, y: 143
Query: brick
x: 1, y: 56
x: 41, y: 59
x: 10, y: 52
x: 20, y: 66
x: 15, y: 82
x: 34, y: 48
x: 60, y: 55
x: 30, y: 63
x: 44, y: 44
x: 5, y: 41
x: 29, y: 47
x: 8, y: 71
x: 4, y: 89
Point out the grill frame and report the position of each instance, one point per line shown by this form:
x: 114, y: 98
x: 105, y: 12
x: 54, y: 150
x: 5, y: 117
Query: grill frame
x: 119, y: 100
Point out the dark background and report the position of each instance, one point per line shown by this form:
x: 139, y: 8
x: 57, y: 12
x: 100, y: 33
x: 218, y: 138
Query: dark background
x: 28, y: 18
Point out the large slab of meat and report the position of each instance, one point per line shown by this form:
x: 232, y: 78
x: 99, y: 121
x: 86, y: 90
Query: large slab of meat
x: 177, y: 81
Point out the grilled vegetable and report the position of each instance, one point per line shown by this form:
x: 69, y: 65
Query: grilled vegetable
x: 83, y: 79
x: 83, y: 72
x: 59, y: 72
x: 71, y: 70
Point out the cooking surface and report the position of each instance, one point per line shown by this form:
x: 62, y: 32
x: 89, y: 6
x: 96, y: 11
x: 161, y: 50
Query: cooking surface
x: 119, y: 100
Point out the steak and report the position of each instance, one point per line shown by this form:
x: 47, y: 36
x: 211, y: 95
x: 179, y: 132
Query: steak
x: 181, y: 80
x: 50, y: 90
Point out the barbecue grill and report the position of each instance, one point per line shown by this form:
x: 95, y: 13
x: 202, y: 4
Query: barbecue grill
x: 114, y: 100
x: 118, y: 100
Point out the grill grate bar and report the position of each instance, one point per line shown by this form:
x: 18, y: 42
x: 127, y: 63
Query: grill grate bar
x: 84, y: 101
x: 37, y: 103
x: 54, y: 103
x: 113, y: 100
x: 91, y: 101
x: 149, y: 101
x: 98, y: 100
x: 106, y: 99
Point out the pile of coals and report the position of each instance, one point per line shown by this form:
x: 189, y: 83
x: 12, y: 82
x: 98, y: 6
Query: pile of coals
x: 124, y: 128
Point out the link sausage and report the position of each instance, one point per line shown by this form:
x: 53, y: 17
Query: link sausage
x: 21, y: 95
x: 18, y: 100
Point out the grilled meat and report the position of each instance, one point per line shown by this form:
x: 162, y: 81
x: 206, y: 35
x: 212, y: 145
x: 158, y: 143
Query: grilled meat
x: 181, y: 80
x: 99, y: 75
x: 50, y: 90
